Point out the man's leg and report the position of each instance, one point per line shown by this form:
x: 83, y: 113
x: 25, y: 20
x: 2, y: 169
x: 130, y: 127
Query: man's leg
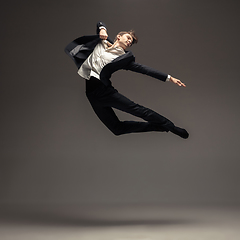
x: 111, y: 121
x: 157, y: 121
x: 154, y: 121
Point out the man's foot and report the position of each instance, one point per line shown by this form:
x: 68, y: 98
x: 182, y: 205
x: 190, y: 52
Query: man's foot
x: 180, y: 132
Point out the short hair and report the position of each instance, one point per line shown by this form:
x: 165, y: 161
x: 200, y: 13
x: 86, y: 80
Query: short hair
x: 131, y: 32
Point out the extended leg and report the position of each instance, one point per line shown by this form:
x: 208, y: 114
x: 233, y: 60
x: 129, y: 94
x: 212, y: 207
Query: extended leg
x: 111, y: 121
x: 103, y: 101
x: 157, y: 122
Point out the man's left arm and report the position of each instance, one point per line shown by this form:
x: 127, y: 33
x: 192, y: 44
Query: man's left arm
x: 139, y: 68
x: 102, y: 30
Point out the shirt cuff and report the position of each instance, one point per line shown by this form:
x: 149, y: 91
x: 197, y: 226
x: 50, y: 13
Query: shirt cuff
x: 168, y: 78
x: 102, y: 27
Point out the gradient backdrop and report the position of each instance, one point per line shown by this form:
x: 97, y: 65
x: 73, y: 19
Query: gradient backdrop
x: 53, y: 147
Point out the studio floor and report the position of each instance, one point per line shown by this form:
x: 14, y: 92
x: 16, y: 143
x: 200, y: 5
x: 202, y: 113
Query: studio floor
x: 132, y: 222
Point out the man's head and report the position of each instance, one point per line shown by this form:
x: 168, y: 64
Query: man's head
x: 126, y: 39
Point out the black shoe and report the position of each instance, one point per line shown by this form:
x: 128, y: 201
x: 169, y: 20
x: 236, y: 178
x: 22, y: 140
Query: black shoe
x: 180, y: 132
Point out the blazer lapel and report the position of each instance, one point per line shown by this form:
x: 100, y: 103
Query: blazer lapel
x: 123, y: 58
x: 117, y: 64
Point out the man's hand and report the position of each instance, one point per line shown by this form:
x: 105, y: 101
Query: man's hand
x: 103, y: 34
x: 177, y: 81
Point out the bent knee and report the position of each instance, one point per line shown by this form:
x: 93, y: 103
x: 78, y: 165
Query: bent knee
x: 118, y: 129
x: 117, y: 132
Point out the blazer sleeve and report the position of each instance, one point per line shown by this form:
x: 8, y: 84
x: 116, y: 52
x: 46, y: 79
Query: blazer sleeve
x: 100, y: 24
x: 139, y: 68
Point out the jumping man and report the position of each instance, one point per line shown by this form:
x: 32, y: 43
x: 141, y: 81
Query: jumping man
x: 97, y: 58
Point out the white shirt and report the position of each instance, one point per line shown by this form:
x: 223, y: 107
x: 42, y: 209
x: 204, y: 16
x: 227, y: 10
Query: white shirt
x: 101, y: 56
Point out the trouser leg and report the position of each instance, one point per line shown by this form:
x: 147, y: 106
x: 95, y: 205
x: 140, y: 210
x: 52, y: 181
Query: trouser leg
x: 157, y: 121
x: 103, y: 108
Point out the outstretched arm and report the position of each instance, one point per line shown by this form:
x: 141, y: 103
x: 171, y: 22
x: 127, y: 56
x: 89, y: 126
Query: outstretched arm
x: 136, y: 67
x: 139, y: 68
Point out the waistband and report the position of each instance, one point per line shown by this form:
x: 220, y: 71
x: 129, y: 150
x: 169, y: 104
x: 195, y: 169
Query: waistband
x: 92, y: 84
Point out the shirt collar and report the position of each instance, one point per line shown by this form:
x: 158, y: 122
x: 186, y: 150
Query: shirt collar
x: 113, y: 49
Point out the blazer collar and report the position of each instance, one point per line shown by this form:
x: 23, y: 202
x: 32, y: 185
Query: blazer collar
x: 128, y: 54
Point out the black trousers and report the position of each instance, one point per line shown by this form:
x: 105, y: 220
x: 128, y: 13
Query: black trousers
x: 103, y: 99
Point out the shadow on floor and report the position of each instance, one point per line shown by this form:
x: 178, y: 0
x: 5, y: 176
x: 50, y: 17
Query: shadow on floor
x: 87, y: 218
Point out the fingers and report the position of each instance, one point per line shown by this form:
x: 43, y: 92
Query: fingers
x: 183, y: 85
x: 180, y: 83
x: 104, y: 37
x: 177, y: 81
x: 103, y: 34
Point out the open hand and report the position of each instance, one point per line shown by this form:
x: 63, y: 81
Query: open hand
x: 177, y: 81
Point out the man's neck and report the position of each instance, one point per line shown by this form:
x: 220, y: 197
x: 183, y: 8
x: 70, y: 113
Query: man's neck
x: 117, y: 45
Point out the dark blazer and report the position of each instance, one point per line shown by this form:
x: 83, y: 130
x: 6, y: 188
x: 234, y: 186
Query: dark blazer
x: 79, y: 50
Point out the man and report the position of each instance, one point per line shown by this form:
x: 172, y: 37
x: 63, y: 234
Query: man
x: 97, y: 58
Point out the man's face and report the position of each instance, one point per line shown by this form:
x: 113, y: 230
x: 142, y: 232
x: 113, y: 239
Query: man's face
x: 125, y: 40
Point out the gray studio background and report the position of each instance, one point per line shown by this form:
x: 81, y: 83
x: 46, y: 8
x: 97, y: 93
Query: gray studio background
x: 55, y: 150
